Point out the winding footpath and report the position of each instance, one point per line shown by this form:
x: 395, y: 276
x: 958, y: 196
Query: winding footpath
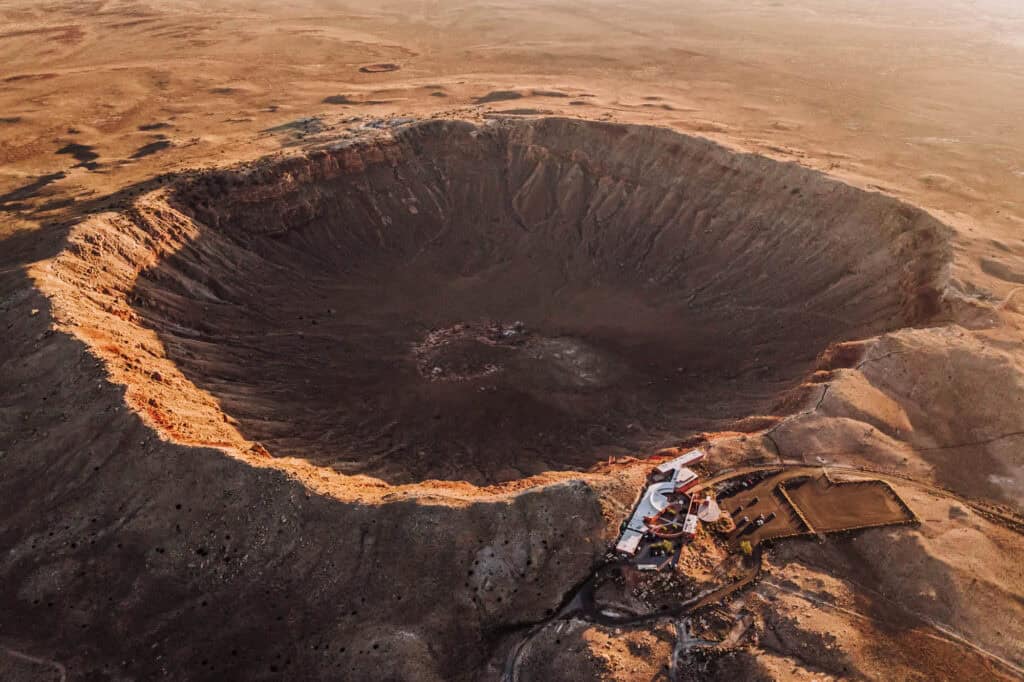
x: 61, y: 671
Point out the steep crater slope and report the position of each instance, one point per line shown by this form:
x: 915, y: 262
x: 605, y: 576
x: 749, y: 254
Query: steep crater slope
x: 484, y: 303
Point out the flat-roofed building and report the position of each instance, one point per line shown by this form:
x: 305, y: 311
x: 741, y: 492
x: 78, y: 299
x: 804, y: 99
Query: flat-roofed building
x: 629, y: 542
x: 686, y: 459
x: 684, y: 479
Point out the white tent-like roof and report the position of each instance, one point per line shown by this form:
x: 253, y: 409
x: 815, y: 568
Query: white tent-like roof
x: 709, y: 511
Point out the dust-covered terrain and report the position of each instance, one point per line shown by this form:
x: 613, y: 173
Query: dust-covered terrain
x: 336, y: 337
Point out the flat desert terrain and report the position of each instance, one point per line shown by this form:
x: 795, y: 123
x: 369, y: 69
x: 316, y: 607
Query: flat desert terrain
x: 337, y: 338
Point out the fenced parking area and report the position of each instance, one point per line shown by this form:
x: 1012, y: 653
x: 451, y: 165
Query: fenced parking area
x: 791, y: 504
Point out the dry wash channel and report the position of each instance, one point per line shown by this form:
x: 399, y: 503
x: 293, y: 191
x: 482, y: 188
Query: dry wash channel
x: 483, y: 303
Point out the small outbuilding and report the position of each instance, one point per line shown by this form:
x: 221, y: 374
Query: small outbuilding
x: 690, y: 526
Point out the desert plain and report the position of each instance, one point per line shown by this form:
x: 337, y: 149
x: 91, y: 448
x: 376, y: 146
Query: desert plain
x: 338, y: 337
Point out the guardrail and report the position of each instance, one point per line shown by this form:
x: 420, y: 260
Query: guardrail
x: 781, y: 487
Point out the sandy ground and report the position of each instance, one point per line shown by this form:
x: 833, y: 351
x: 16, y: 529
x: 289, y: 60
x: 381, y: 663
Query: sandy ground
x: 920, y: 101
x: 831, y: 507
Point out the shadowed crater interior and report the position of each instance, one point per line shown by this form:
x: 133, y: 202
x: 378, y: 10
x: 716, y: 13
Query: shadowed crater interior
x: 488, y: 302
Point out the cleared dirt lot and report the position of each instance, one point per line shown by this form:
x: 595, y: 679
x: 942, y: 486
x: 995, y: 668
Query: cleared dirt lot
x: 829, y: 506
